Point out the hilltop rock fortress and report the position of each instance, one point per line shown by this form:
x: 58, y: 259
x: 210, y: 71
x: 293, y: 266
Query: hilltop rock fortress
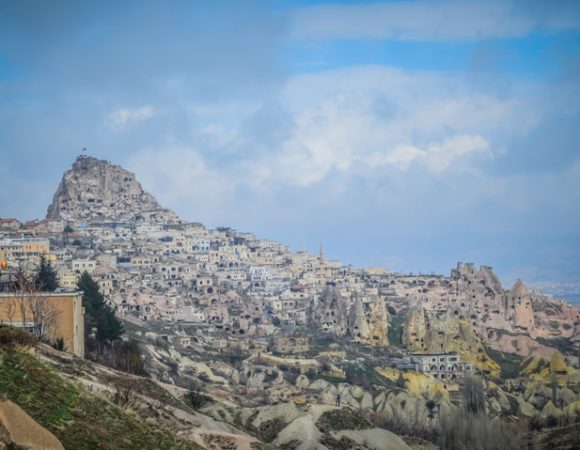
x: 96, y: 190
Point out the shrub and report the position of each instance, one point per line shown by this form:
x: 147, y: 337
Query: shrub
x: 270, y: 377
x: 58, y: 344
x: 127, y: 357
x: 269, y: 429
x: 343, y: 444
x: 162, y: 344
x: 125, y: 391
x: 14, y: 339
x: 401, y: 424
x: 478, y: 432
x: 197, y: 400
x: 356, y: 376
x: 342, y: 419
x: 204, y: 377
x: 290, y: 375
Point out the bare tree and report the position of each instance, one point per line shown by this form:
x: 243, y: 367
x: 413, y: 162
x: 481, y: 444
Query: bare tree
x: 554, y: 390
x: 125, y: 392
x: 10, y: 310
x: 32, y: 304
x: 473, y: 395
x: 22, y: 286
x: 44, y: 315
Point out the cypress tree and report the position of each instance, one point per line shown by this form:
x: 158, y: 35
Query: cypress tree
x: 46, y: 277
x: 98, y: 314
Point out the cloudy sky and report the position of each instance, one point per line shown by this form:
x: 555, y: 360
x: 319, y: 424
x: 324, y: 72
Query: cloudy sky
x: 408, y: 134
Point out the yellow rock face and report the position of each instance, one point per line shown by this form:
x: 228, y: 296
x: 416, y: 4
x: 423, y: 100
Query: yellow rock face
x: 425, y: 333
x: 551, y: 410
x: 388, y: 372
x: 558, y: 365
x: 539, y: 369
x: 425, y: 385
x: 573, y: 409
x: 417, y: 383
x: 532, y: 365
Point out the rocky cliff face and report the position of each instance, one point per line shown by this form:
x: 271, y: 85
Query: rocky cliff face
x: 509, y: 320
x: 438, y: 332
x: 519, y: 309
x: 94, y: 190
x: 364, y: 319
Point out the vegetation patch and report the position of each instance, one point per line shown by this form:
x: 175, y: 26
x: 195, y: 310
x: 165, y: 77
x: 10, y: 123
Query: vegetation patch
x: 342, y: 419
x: 463, y: 430
x: 77, y: 418
x: 290, y: 445
x: 510, y: 363
x: 269, y: 430
x: 396, y: 330
x: 343, y: 443
x: 365, y: 376
x: 219, y: 442
x: 565, y: 346
x: 263, y: 446
x: 197, y: 400
x: 15, y: 339
x: 561, y: 438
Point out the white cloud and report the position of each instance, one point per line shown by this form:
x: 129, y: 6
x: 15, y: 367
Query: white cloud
x: 178, y: 176
x: 120, y: 118
x: 371, y: 126
x: 424, y: 118
x: 433, y: 20
x: 436, y: 156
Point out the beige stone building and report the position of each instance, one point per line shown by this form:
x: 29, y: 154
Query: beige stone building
x: 55, y: 315
x: 25, y: 250
x: 68, y: 280
x: 290, y: 344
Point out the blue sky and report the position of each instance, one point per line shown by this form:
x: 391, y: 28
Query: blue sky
x: 407, y: 134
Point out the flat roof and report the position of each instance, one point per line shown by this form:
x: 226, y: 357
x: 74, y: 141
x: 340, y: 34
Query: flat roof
x: 42, y: 294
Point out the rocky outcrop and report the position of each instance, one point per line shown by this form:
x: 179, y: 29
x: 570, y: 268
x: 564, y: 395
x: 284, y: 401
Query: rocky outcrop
x: 415, y: 329
x: 357, y: 324
x: 430, y: 332
x: 96, y: 190
x: 331, y: 311
x: 19, y: 431
x: 507, y: 320
x: 378, y: 323
x: 519, y: 309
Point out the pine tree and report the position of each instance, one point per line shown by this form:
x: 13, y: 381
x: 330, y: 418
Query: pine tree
x: 109, y: 328
x: 98, y: 314
x: 46, y: 277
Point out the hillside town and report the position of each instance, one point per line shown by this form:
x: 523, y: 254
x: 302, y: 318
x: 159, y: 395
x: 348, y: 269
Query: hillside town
x: 153, y: 268
x: 260, y: 324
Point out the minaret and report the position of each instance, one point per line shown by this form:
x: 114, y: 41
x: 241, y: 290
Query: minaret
x: 321, y: 256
